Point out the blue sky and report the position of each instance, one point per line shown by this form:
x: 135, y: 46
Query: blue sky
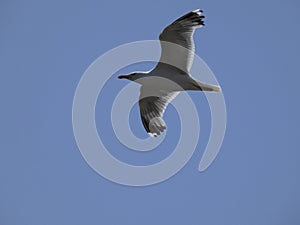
x: 253, y: 49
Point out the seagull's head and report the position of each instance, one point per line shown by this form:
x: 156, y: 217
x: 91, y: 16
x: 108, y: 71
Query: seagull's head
x: 133, y: 76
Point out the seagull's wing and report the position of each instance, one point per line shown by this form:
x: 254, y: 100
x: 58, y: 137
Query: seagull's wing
x: 152, y: 107
x: 180, y: 32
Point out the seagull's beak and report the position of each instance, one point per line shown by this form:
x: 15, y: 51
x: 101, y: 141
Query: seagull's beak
x: 122, y: 76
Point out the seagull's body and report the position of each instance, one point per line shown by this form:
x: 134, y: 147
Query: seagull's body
x: 171, y: 75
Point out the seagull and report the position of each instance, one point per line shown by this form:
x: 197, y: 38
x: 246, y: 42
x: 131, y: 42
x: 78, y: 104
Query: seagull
x: 171, y: 74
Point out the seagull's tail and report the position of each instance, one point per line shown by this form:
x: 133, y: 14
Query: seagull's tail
x: 208, y: 87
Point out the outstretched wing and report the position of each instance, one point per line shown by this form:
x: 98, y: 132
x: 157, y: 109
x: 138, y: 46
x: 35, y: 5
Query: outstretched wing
x: 152, y: 107
x: 177, y: 42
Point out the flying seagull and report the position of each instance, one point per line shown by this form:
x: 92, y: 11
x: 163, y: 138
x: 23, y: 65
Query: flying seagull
x: 171, y: 74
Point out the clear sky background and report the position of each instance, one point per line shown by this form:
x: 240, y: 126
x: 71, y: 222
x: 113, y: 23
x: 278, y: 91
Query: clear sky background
x: 253, y: 49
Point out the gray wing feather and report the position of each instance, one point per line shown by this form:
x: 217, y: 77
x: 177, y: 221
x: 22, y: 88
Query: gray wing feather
x: 177, y: 40
x: 152, y: 107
